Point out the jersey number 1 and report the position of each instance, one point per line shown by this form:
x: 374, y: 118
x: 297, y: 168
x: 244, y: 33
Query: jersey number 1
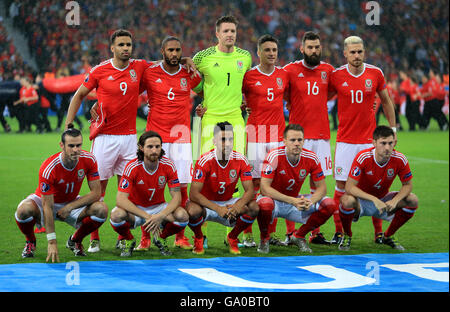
x: 228, y: 79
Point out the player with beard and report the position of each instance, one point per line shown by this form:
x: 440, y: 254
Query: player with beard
x: 140, y: 197
x: 169, y: 86
x: 308, y: 95
x: 57, y: 198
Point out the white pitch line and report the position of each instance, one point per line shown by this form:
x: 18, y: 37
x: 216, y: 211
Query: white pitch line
x: 427, y: 160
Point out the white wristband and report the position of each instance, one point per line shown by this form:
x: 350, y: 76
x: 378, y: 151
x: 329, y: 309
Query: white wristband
x: 51, y: 236
x: 394, y: 129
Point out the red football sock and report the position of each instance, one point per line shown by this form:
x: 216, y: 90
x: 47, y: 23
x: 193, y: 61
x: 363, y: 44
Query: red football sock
x: 27, y: 228
x: 273, y: 226
x: 346, y: 215
x: 377, y: 225
x: 145, y: 234
x: 316, y: 230
x: 123, y: 229
x: 184, y: 196
x: 241, y: 224
x: 172, y: 228
x: 94, y: 234
x: 249, y: 229
x: 266, y: 206
x: 88, y: 224
x: 317, y: 218
x: 401, y: 216
x: 196, y: 227
x: 290, y: 226
x: 179, y: 235
x: 337, y: 221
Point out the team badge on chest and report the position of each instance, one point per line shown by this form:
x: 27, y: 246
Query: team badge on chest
x: 390, y: 173
x: 133, y: 75
x: 368, y: 85
x: 240, y: 65
x: 233, y: 174
x: 80, y: 174
x: 183, y: 84
x: 280, y: 83
x: 302, y: 173
x: 324, y: 76
x: 161, y: 181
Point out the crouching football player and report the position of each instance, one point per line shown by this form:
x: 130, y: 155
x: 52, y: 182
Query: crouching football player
x: 57, y: 198
x: 216, y: 174
x: 367, y: 189
x: 284, y: 171
x: 140, y: 197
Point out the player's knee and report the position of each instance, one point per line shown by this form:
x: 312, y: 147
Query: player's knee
x: 181, y: 215
x: 118, y: 215
x: 412, y: 200
x: 99, y: 209
x: 25, y: 210
x: 328, y: 206
x: 347, y: 201
x: 265, y: 204
x: 194, y: 210
x: 252, y: 209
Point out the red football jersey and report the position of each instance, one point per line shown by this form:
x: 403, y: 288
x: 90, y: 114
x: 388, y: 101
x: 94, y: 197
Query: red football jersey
x: 28, y: 92
x: 429, y: 87
x: 147, y: 188
x: 117, y: 94
x: 356, y: 95
x: 375, y: 179
x: 286, y: 177
x: 219, y: 183
x: 170, y: 101
x: 308, y: 93
x: 264, y: 95
x: 65, y: 184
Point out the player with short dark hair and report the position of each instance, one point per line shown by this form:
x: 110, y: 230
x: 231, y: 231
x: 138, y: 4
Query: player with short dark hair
x: 264, y: 87
x: 140, y: 197
x: 213, y: 184
x: 284, y: 171
x: 223, y: 68
x: 57, y: 198
x: 169, y: 86
x: 367, y: 188
x: 113, y: 130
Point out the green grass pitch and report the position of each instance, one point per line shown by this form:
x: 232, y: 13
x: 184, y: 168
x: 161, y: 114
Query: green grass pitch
x: 428, y: 153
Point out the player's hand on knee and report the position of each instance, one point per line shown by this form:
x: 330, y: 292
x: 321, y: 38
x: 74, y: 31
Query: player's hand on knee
x: 52, y: 252
x: 381, y: 206
x: 62, y: 214
x: 223, y: 212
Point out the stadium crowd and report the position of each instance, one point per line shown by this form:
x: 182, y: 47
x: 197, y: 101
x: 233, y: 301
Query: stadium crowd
x: 395, y: 45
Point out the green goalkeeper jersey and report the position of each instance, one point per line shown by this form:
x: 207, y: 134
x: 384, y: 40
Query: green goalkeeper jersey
x: 223, y: 74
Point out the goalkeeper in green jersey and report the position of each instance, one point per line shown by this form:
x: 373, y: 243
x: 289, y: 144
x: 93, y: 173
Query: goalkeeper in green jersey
x: 223, y: 68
